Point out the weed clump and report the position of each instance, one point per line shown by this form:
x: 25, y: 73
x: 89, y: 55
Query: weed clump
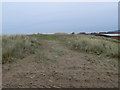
x: 93, y: 44
x: 17, y: 47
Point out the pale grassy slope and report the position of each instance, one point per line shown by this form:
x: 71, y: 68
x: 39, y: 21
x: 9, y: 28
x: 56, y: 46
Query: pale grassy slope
x: 52, y: 61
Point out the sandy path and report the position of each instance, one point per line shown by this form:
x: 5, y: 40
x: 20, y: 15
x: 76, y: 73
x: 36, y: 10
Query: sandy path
x: 64, y: 68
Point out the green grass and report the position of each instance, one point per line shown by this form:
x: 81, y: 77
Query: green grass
x: 45, y: 36
x: 45, y: 58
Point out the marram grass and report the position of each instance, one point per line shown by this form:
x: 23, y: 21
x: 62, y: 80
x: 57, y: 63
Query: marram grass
x: 18, y: 46
x: 93, y: 44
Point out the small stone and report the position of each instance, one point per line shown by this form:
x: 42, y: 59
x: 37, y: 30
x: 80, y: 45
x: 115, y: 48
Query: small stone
x: 98, y: 78
x: 55, y: 87
x: 50, y: 81
x: 69, y: 78
x: 30, y: 83
x: 43, y: 74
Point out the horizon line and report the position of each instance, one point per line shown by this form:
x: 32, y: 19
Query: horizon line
x: 59, y: 0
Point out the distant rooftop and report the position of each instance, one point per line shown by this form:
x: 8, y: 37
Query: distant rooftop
x: 111, y: 34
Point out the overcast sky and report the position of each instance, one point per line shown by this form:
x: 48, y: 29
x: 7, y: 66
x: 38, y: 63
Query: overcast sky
x: 30, y: 17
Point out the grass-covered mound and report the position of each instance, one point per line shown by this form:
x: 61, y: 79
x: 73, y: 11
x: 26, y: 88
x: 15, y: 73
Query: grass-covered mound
x: 18, y: 46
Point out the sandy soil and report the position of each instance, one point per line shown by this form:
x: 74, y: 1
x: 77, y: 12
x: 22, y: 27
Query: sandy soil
x: 64, y: 68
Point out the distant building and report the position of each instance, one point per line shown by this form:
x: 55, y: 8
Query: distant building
x: 111, y: 34
x: 115, y: 35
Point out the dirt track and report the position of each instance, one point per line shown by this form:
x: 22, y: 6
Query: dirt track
x: 64, y: 68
